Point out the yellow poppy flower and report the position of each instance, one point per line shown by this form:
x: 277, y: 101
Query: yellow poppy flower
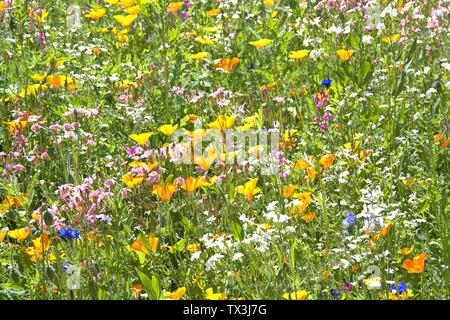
x: 3, y: 233
x: 174, y: 6
x: 3, y: 6
x: 176, y: 295
x: 210, y: 295
x: 125, y: 21
x: 142, y: 138
x: 168, y: 129
x: 133, y: 10
x: 164, y: 191
x: 131, y: 181
x: 205, y: 41
x: 345, y: 54
x: 227, y: 64
x: 199, y: 56
x: 223, y: 122
x: 95, y: 14
x: 192, y: 248
x: 392, y: 39
x: 213, y: 12
x: 19, y: 234
x: 126, y: 3
x: 288, y: 191
x: 260, y: 43
x: 327, y: 161
x: 300, y: 54
x: 249, y: 189
x: 299, y: 295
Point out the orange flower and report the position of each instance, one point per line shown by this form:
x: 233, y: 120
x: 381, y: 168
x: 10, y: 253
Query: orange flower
x: 191, y: 184
x: 441, y: 140
x: 288, y: 191
x: 3, y: 233
x: 136, y: 290
x: 3, y: 6
x: 40, y: 245
x: 227, y: 64
x: 173, y: 7
x: 309, y: 217
x: 140, y: 246
x: 327, y: 161
x: 164, y: 191
x: 417, y: 265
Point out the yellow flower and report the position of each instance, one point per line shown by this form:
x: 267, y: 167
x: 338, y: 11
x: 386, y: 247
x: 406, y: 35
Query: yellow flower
x: 176, y: 295
x: 133, y: 10
x: 111, y: 1
x: 345, y: 54
x: 223, y: 122
x: 270, y: 3
x: 405, y: 251
x: 213, y: 12
x: 3, y: 233
x: 199, y: 56
x: 297, y: 55
x: 327, y: 161
x: 140, y: 246
x: 125, y: 21
x: 126, y: 3
x: 142, y: 138
x: 392, y: 39
x: 249, y: 189
x: 304, y: 199
x: 409, y: 181
x: 191, y: 184
x: 19, y: 234
x: 164, y: 191
x: 95, y: 14
x: 3, y: 6
x: 288, y: 191
x: 210, y: 295
x: 205, y: 41
x: 260, y: 43
x: 131, y: 181
x: 120, y: 34
x: 192, y: 248
x: 168, y: 129
x: 299, y: 295
x: 174, y: 6
x: 40, y: 245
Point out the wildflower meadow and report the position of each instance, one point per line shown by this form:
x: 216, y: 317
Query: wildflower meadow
x: 224, y: 150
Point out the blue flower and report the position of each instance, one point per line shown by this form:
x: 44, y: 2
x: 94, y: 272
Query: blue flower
x: 65, y: 265
x: 402, y: 287
x: 69, y: 233
x: 349, y: 220
x: 334, y: 292
x: 327, y: 82
x: 392, y: 288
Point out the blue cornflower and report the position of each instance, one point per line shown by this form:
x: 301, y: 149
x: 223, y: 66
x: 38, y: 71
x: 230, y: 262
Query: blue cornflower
x: 349, y: 220
x: 392, y: 288
x: 334, y: 292
x: 327, y: 82
x: 402, y: 287
x: 65, y: 265
x: 69, y: 233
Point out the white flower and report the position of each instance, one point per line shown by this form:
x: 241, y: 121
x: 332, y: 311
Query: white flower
x: 237, y: 256
x: 367, y: 39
